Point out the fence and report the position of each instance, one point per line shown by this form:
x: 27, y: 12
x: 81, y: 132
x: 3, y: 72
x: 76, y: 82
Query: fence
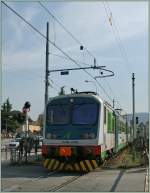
x: 16, y: 156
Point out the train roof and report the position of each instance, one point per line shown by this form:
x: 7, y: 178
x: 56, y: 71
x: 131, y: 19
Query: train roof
x: 79, y: 94
x: 89, y: 94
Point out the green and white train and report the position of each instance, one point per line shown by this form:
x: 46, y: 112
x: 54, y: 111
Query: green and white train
x: 81, y: 130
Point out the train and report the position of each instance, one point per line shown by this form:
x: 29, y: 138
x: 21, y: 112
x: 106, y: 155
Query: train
x: 81, y: 131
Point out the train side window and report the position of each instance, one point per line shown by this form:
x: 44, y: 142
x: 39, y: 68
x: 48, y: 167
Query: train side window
x: 113, y: 124
x: 109, y: 122
x: 104, y: 115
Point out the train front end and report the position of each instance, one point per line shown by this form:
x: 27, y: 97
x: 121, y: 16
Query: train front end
x: 72, y: 134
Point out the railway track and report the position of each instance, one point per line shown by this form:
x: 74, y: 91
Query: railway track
x: 55, y: 180
x: 69, y: 181
x: 64, y: 179
x: 19, y: 186
x: 72, y: 179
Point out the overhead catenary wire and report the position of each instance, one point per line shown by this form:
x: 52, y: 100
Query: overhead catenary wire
x: 61, y: 24
x: 67, y: 32
x: 117, y: 39
x: 61, y: 51
x: 56, y: 85
x: 74, y: 61
x: 50, y: 13
x: 54, y: 31
x: 117, y: 35
x: 34, y: 28
x: 116, y: 100
x: 65, y: 58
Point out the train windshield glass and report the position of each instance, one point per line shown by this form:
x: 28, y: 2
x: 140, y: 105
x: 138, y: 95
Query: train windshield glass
x: 85, y: 114
x: 58, y: 114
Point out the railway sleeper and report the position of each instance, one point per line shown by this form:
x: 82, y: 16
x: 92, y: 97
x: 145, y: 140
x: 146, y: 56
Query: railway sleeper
x: 80, y: 166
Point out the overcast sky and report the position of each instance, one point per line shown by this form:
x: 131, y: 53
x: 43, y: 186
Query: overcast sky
x: 122, y: 47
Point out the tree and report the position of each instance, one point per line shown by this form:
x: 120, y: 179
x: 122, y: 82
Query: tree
x: 10, y: 120
x: 6, y: 119
x: 6, y: 107
x: 18, y: 116
x: 62, y: 91
x: 40, y: 120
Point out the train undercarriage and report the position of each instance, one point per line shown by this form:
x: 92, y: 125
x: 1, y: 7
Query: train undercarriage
x: 76, y: 158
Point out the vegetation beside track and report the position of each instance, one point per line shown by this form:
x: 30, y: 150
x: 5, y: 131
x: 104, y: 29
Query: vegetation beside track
x: 128, y: 158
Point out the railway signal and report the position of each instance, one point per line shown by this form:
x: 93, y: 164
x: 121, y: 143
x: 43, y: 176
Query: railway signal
x: 25, y: 110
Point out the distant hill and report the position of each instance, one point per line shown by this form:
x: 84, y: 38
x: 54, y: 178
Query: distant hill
x: 142, y: 117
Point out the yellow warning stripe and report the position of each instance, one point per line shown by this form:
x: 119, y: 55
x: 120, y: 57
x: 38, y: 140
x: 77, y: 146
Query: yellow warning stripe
x: 88, y: 165
x: 94, y: 163
x: 51, y: 163
x: 83, y: 166
x: 56, y: 165
x: 61, y: 166
x: 46, y: 162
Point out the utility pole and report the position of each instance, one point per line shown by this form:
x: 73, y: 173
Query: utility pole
x: 113, y: 103
x: 47, y: 64
x: 27, y: 125
x: 133, y: 106
x: 46, y: 74
x: 6, y: 128
x: 133, y: 117
x: 126, y: 129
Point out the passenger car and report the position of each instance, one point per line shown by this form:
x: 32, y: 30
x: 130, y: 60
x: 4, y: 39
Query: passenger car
x: 14, y: 143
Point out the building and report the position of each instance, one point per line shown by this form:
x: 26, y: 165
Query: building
x: 34, y: 128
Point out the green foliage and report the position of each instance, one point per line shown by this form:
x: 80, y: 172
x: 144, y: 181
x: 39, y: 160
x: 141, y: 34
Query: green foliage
x: 40, y: 120
x: 18, y: 116
x: 10, y: 120
x: 6, y: 106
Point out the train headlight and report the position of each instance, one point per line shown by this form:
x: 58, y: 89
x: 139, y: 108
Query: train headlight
x: 91, y: 135
x: 49, y: 136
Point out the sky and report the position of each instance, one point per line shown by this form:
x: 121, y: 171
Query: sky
x: 122, y: 47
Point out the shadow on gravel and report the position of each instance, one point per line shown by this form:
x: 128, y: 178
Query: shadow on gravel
x: 117, y: 181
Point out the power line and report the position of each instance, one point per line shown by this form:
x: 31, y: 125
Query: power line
x: 60, y: 23
x: 118, y: 41
x: 75, y: 40
x: 74, y: 61
x: 116, y: 100
x: 71, y: 34
x: 116, y: 35
x: 60, y: 56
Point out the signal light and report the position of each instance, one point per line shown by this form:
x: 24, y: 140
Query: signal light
x: 27, y: 105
